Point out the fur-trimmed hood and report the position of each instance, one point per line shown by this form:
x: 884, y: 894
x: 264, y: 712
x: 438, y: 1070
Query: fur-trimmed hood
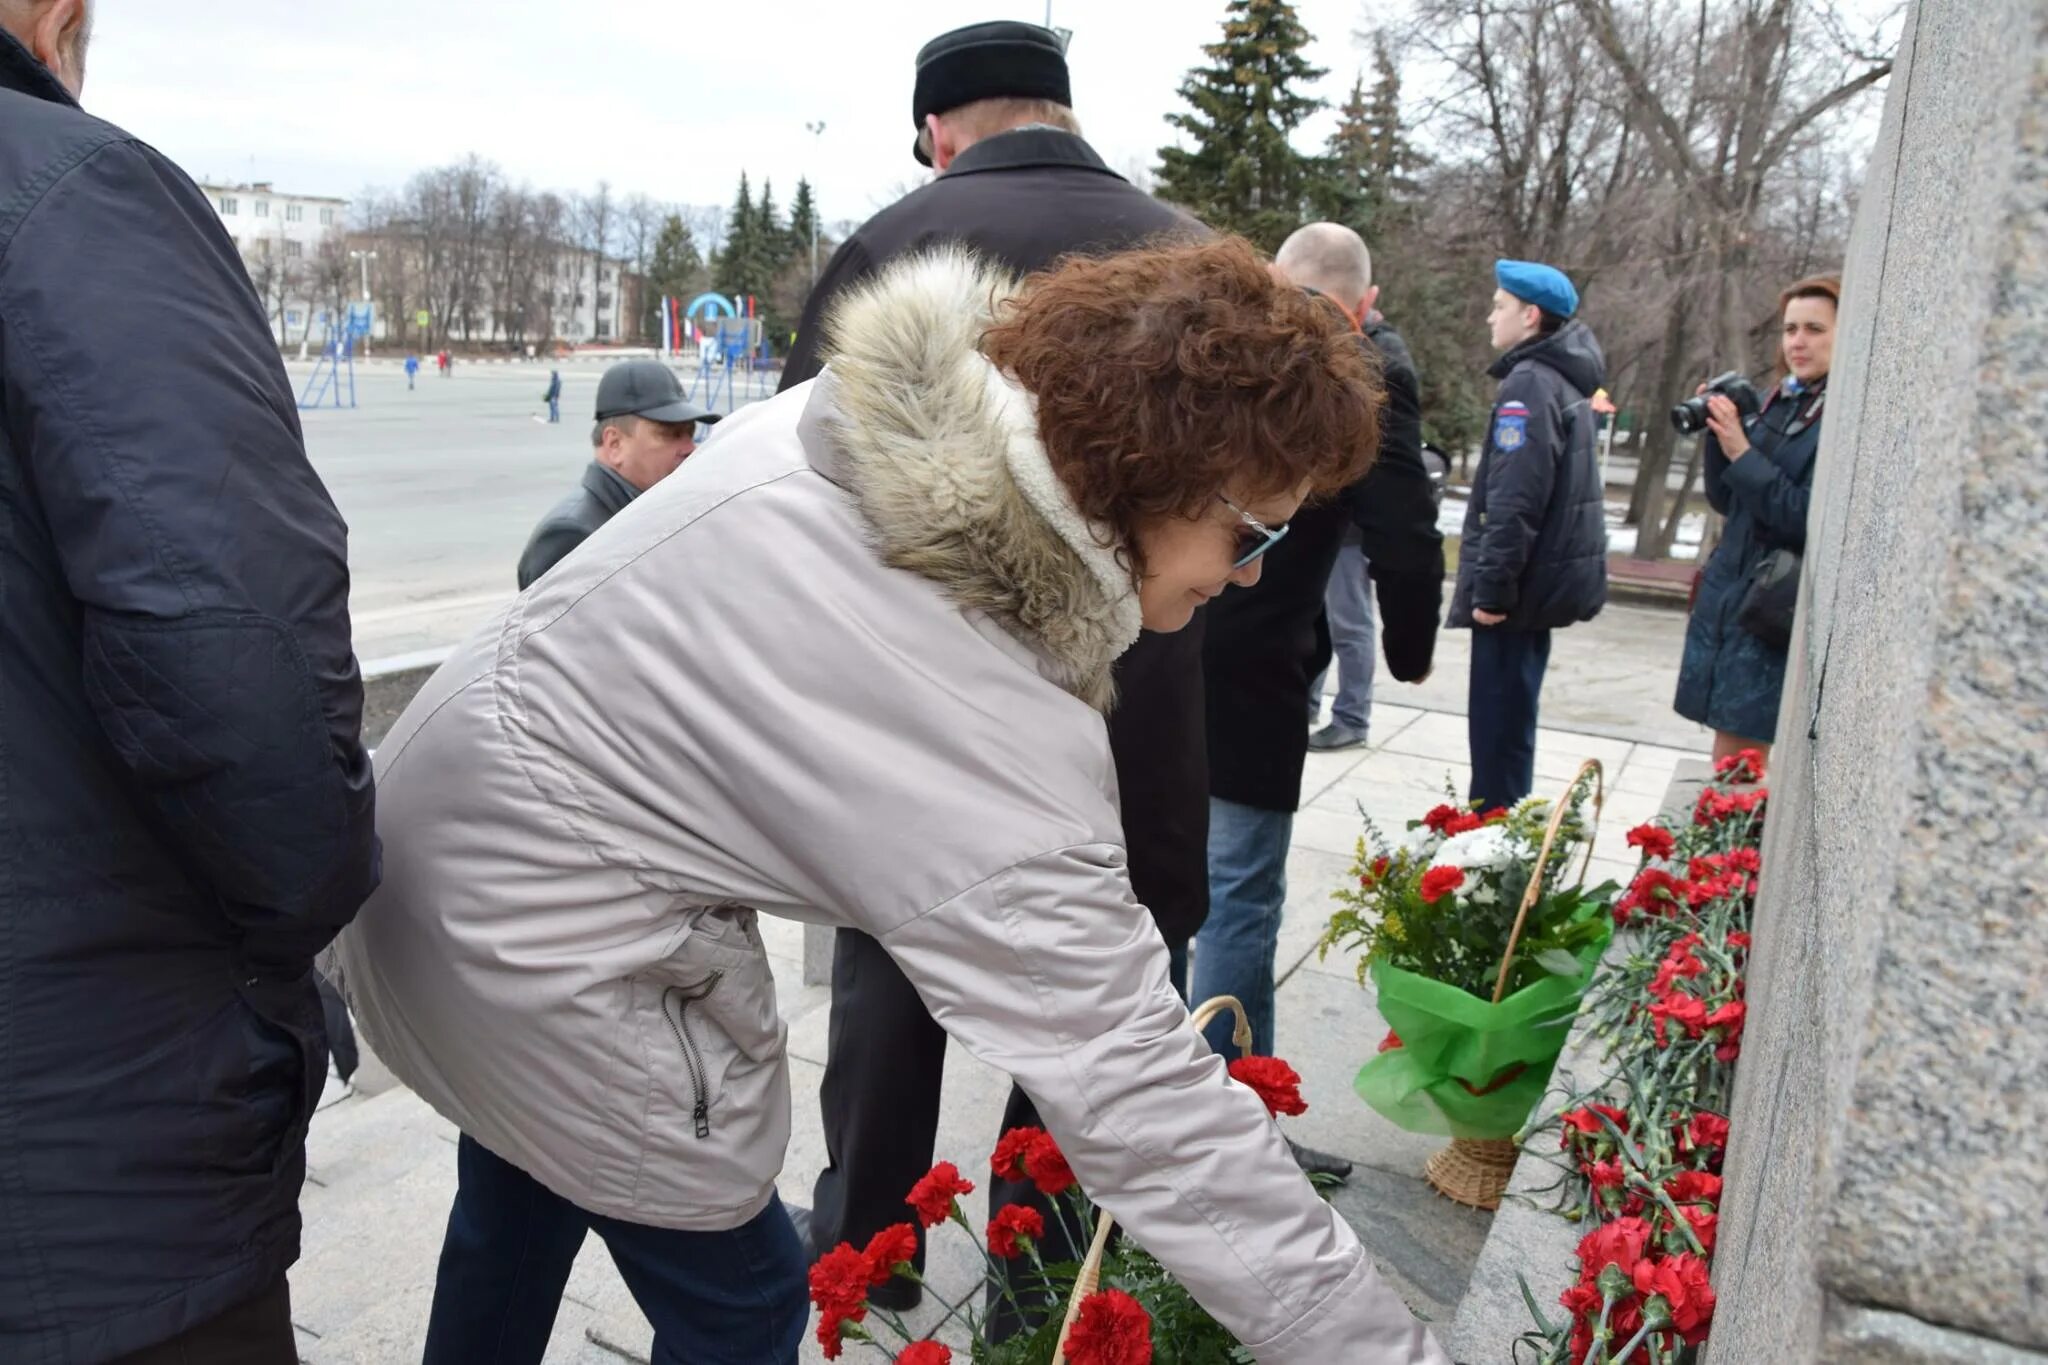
x: 940, y: 451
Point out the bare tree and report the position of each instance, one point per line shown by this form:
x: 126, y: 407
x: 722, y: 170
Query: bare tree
x: 597, y: 222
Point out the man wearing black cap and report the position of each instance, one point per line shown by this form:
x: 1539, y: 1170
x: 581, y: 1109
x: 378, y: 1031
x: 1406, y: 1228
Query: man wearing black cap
x: 645, y: 429
x: 994, y: 116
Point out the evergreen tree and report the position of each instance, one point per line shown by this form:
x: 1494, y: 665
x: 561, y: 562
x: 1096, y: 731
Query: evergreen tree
x: 746, y: 265
x: 1370, y: 165
x: 774, y: 238
x: 674, y: 270
x: 803, y: 221
x: 1243, y: 173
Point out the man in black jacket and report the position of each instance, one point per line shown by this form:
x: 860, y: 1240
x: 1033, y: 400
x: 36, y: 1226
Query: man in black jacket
x: 185, y: 803
x: 1265, y: 643
x: 1016, y: 182
x: 1534, y: 553
x: 645, y: 429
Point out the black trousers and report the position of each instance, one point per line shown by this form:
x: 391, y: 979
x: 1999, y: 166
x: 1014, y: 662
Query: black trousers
x: 884, y: 1062
x: 1500, y: 715
x: 258, y: 1332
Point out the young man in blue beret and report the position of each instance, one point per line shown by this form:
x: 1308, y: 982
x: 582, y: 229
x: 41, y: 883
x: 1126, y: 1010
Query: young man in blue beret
x: 1534, y: 553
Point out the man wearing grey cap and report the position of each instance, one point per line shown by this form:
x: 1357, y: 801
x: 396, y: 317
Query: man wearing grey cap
x: 645, y: 429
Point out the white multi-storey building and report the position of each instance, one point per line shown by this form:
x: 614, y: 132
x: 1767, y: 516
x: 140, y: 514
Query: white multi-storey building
x: 280, y: 236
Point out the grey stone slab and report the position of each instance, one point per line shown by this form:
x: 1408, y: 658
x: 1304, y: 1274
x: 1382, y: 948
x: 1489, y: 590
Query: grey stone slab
x: 1891, y: 1115
x: 1872, y: 1336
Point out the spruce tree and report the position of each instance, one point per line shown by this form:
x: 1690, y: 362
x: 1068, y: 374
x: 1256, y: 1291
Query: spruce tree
x: 745, y: 266
x: 674, y: 269
x: 1243, y: 173
x: 803, y: 221
x: 1370, y: 163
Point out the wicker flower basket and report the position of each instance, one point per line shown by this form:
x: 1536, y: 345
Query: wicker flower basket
x: 1475, y: 1171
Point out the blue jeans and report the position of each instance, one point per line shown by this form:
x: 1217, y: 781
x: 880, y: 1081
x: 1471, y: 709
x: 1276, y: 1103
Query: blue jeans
x: 1347, y: 603
x: 554, y: 409
x: 1500, y: 714
x: 715, y: 1298
x: 1235, y: 951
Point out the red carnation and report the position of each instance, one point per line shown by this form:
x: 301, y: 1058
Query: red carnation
x: 1390, y: 1042
x: 1679, y: 962
x: 1619, y: 1243
x: 933, y: 1195
x: 925, y: 1353
x: 1277, y: 1083
x: 1463, y: 824
x: 1682, y: 1282
x: 831, y: 1323
x: 1583, y: 1297
x: 1679, y: 1008
x: 1706, y: 1133
x: 1694, y: 1187
x: 1738, y: 939
x: 1441, y: 816
x: 1008, y: 1160
x: 1604, y: 1175
x: 1705, y: 1223
x: 1375, y: 872
x: 1047, y: 1166
x: 1728, y: 1019
x: 1439, y: 882
x: 839, y: 1281
x: 1654, y: 840
x: 891, y: 1247
x: 1497, y: 816
x: 839, y: 1286
x: 1013, y: 1222
x: 1111, y: 1329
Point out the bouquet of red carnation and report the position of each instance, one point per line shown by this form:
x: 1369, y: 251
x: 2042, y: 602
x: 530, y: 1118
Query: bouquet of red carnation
x: 1119, y: 1308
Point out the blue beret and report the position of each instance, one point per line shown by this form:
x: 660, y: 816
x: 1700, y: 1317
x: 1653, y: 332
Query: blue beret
x: 1543, y: 285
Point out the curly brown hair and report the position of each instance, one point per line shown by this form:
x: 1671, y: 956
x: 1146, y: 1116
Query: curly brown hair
x: 1167, y: 374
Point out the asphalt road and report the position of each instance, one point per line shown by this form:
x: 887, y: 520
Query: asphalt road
x: 441, y: 486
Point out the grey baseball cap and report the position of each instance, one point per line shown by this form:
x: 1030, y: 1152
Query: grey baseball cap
x: 646, y: 388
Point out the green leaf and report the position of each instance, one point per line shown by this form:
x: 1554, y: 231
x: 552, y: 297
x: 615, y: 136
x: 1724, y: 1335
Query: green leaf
x: 1558, y: 962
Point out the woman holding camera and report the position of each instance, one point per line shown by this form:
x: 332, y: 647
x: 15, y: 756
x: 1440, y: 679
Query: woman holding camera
x: 1759, y: 476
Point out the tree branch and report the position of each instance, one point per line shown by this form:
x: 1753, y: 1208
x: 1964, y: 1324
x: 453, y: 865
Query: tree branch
x: 1781, y: 141
x: 1599, y: 16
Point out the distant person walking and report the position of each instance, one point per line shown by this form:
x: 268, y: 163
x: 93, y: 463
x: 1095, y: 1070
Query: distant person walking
x: 443, y: 363
x: 1534, y: 553
x: 554, y: 396
x: 412, y: 370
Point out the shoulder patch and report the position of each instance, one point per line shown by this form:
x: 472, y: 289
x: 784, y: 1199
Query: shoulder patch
x: 1510, y: 426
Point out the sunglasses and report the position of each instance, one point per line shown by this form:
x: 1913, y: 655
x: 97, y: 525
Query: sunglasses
x: 1254, y: 537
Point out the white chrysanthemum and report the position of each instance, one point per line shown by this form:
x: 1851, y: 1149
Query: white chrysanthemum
x: 1419, y: 844
x: 1478, y: 850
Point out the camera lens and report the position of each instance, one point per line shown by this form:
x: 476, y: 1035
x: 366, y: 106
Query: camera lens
x: 1690, y: 417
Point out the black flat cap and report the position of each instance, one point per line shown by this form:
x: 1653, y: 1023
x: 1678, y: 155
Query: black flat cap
x: 1003, y: 59
x: 646, y: 388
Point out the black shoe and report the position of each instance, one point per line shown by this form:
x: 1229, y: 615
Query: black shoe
x: 898, y: 1295
x: 1336, y: 736
x: 1313, y: 1162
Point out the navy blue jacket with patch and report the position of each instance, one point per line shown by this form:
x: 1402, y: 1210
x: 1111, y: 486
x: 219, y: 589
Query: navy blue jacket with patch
x: 1535, y: 541
x: 185, y: 804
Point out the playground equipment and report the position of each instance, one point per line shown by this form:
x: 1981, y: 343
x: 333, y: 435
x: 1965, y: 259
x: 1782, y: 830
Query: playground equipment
x: 728, y: 340
x: 338, y: 360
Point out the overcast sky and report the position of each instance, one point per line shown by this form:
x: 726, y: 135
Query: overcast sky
x: 671, y: 98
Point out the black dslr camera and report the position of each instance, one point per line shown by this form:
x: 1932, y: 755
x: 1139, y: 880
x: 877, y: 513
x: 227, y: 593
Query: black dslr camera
x: 1690, y: 417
